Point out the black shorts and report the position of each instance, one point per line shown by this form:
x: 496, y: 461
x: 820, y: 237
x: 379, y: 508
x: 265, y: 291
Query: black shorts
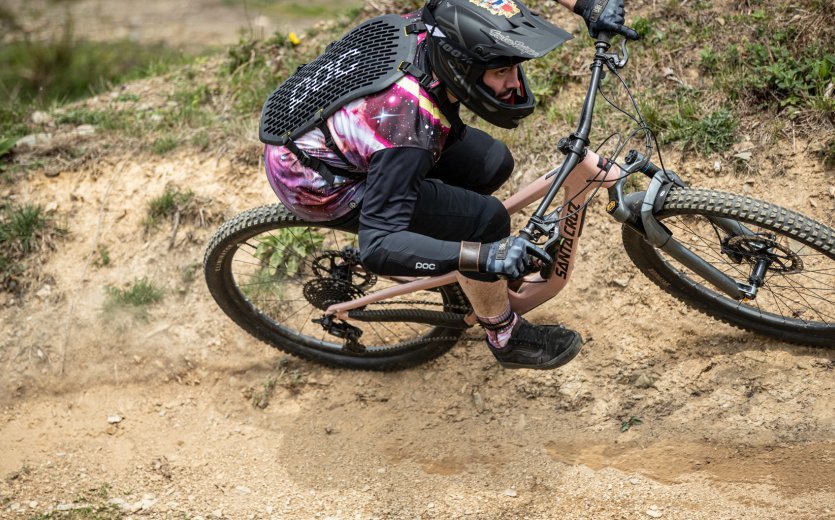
x: 455, y: 202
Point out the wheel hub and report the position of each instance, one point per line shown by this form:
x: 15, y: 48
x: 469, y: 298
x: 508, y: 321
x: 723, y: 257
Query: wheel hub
x: 753, y: 249
x: 339, y: 278
x: 344, y: 266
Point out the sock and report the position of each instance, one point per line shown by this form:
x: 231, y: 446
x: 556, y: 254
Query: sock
x: 499, y: 327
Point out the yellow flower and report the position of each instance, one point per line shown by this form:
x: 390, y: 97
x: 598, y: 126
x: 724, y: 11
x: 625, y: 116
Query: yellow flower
x: 294, y: 39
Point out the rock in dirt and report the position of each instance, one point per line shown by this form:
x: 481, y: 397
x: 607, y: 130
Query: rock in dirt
x: 510, y: 492
x: 114, y: 419
x: 41, y: 118
x: 33, y: 140
x: 654, y: 513
x: 478, y: 401
x: 143, y: 505
x: 621, y: 282
x: 44, y: 292
x: 82, y: 130
x: 120, y: 503
x: 644, y: 380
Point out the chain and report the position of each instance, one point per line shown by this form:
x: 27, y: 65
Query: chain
x: 461, y: 308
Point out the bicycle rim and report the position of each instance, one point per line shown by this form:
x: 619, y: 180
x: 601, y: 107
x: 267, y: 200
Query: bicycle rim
x: 797, y: 300
x: 276, y: 277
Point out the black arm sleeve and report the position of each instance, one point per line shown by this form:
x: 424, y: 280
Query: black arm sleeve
x: 392, y: 191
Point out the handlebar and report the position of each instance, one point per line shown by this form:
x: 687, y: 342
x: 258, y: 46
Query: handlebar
x: 574, y: 147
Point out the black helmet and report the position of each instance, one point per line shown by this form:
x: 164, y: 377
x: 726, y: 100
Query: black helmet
x: 467, y: 37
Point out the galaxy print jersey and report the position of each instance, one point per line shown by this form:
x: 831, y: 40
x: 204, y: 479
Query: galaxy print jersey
x: 402, y: 115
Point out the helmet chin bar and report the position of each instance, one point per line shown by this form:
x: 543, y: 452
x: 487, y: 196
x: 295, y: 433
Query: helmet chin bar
x: 466, y: 38
x: 482, y: 100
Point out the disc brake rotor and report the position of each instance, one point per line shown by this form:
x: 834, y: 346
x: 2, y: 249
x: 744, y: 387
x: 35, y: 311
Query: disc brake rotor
x: 754, y: 248
x: 344, y: 266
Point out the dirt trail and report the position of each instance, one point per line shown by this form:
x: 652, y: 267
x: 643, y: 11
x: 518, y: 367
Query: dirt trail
x: 158, y: 420
x: 733, y: 426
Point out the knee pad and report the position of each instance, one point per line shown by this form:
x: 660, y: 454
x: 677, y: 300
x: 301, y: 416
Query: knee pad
x: 495, y: 221
x: 498, y: 166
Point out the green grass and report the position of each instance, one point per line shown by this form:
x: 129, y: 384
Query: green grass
x: 65, y: 68
x: 121, y: 306
x: 164, y: 144
x: 24, y: 229
x: 103, y: 259
x: 90, y: 512
x: 141, y: 293
x: 88, y: 505
x: 166, y: 205
x: 21, y: 225
x: 706, y: 134
x: 678, y: 117
x: 37, y: 74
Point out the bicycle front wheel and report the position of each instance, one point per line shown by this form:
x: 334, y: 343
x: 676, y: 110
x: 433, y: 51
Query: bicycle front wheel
x: 796, y: 302
x: 274, y: 274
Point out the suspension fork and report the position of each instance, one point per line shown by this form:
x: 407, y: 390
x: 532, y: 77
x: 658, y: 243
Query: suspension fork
x: 638, y: 211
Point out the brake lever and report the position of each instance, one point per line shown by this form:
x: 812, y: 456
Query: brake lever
x: 618, y: 59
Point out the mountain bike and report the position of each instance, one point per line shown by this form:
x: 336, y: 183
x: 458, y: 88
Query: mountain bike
x: 301, y: 287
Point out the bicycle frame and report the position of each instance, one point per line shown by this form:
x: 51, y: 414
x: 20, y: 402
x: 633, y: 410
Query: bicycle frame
x: 579, y: 175
x: 533, y: 289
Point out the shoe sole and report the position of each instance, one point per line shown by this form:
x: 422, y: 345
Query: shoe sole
x: 562, y: 359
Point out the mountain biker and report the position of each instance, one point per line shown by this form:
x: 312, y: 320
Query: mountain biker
x: 420, y: 180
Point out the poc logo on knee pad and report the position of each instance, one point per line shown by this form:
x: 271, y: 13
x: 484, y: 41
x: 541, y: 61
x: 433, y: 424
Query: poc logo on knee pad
x: 428, y: 267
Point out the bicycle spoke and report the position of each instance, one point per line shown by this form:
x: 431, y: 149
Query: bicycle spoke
x: 809, y: 306
x: 799, y: 285
x: 254, y: 277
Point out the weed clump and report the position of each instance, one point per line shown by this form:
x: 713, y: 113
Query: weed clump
x: 132, y: 302
x: 173, y: 201
x: 24, y: 231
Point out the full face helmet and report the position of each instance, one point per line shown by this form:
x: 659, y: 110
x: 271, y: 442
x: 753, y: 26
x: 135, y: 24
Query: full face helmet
x: 468, y: 37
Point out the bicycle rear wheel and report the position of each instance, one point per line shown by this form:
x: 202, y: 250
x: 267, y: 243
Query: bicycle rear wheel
x: 797, y: 302
x: 273, y: 274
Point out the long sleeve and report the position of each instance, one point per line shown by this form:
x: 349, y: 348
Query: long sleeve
x: 392, y: 190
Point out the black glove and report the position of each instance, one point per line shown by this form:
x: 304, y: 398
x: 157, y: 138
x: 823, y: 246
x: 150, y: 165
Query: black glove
x: 604, y: 16
x: 511, y: 257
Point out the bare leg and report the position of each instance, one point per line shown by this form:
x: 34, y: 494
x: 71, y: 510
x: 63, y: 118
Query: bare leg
x: 487, y: 298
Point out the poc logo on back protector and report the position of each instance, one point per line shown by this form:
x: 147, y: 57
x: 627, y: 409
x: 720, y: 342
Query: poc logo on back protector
x: 421, y: 265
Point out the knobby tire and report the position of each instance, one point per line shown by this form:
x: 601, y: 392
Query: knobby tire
x: 264, y: 305
x: 796, y: 305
